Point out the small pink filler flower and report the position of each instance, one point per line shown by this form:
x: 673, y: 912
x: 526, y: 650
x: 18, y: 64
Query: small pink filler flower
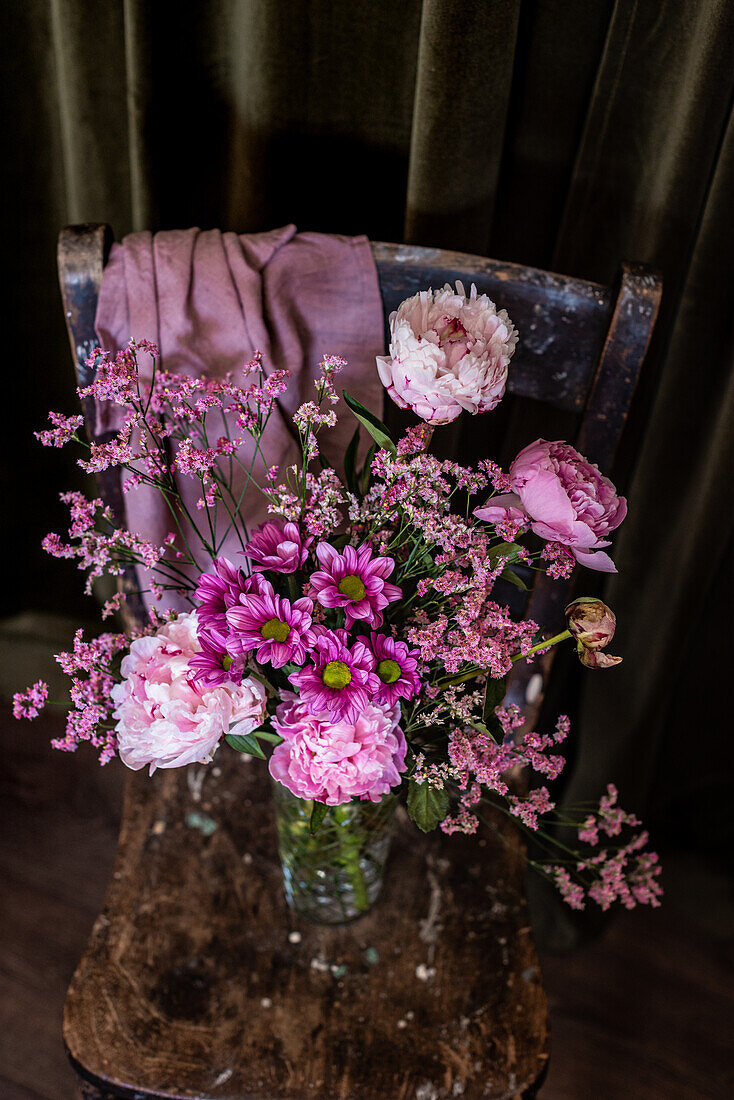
x: 354, y: 581
x: 334, y: 762
x: 448, y: 352
x: 566, y: 498
x: 165, y: 719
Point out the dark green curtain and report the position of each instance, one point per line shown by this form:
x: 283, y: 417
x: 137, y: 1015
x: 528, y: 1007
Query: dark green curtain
x: 561, y: 133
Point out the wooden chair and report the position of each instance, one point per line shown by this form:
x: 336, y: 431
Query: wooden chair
x: 198, y: 981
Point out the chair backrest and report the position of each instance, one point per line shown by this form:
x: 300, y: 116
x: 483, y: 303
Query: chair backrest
x: 580, y: 350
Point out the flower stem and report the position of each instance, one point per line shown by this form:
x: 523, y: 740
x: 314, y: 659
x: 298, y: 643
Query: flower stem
x: 546, y: 644
x: 349, y: 848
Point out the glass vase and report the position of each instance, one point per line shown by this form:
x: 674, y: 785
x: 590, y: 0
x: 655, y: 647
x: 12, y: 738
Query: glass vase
x: 336, y: 874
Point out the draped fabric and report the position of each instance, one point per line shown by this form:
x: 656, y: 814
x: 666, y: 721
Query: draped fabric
x: 210, y: 301
x: 560, y: 133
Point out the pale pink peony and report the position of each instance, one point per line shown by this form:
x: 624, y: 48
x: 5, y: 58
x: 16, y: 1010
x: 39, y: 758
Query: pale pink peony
x: 334, y: 762
x: 566, y: 498
x: 447, y: 353
x: 166, y: 719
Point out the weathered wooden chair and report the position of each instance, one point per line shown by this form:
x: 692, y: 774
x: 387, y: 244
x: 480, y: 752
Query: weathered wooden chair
x: 198, y: 981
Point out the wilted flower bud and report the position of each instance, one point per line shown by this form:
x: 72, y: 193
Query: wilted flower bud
x: 592, y: 624
x: 597, y: 658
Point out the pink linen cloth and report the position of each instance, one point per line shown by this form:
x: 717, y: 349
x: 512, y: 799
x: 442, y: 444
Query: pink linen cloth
x: 210, y: 300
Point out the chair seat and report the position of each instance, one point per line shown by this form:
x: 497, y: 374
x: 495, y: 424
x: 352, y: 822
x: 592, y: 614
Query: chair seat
x: 198, y: 981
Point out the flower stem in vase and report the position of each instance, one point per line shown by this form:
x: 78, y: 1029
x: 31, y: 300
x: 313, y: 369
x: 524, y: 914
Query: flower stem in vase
x: 352, y: 844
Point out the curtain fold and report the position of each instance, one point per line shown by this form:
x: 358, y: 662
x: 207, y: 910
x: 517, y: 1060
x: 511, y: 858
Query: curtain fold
x: 551, y: 132
x: 462, y: 96
x: 675, y: 546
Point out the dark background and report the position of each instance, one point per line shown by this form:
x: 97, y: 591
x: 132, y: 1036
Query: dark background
x: 560, y: 133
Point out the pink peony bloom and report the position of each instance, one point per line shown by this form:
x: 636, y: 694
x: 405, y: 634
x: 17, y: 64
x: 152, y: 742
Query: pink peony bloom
x: 395, y: 665
x: 281, y: 549
x: 335, y: 761
x: 355, y: 581
x: 447, y: 353
x: 277, y: 630
x: 566, y: 499
x: 339, y: 680
x: 165, y: 719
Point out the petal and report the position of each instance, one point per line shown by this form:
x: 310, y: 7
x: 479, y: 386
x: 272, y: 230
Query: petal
x: 598, y: 560
x: 496, y: 508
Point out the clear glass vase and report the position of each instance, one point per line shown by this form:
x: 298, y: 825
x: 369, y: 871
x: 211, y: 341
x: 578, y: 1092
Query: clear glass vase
x: 335, y: 875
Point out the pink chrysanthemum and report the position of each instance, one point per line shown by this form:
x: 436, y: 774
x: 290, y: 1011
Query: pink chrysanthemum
x: 277, y: 630
x: 220, y: 590
x: 283, y: 550
x: 395, y: 665
x: 213, y: 665
x: 335, y: 761
x: 339, y: 680
x: 354, y: 581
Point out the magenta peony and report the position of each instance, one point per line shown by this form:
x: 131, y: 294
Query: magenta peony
x: 334, y: 762
x: 164, y: 718
x: 447, y: 353
x: 566, y: 499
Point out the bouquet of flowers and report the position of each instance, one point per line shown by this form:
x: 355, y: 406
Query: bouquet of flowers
x: 355, y: 641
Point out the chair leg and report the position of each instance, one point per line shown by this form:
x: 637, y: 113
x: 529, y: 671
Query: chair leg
x: 532, y: 1092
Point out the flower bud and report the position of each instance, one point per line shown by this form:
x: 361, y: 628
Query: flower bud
x: 597, y: 658
x: 591, y: 622
x: 592, y: 625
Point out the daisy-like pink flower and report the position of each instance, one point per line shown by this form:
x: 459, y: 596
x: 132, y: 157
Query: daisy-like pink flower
x: 395, y: 665
x: 219, y: 590
x: 281, y: 549
x: 339, y: 679
x: 354, y: 581
x: 277, y: 630
x: 212, y: 665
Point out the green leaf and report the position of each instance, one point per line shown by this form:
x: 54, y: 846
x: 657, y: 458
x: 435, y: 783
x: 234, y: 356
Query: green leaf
x: 318, y: 813
x: 375, y: 427
x: 494, y: 693
x: 245, y: 743
x: 266, y: 735
x: 511, y: 576
x: 426, y: 805
x: 506, y: 550
x: 350, y: 463
x: 366, y: 471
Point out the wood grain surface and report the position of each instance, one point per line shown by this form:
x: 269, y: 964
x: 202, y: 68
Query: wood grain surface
x: 646, y: 1011
x: 192, y: 984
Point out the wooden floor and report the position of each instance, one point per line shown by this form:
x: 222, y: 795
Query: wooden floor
x: 644, y: 1013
